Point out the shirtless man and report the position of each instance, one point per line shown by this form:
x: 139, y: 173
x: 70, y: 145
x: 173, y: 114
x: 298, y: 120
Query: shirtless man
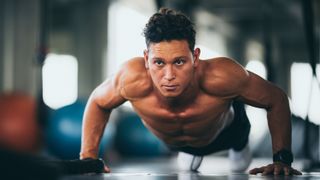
x: 194, y: 106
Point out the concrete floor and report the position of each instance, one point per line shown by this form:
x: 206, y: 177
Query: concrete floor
x: 166, y: 169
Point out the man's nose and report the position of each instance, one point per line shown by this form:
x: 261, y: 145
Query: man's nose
x: 169, y: 74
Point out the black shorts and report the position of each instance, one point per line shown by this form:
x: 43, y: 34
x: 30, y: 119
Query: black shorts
x: 235, y: 136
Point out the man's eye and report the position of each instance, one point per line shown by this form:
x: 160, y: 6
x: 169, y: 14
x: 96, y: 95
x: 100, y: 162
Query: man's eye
x: 159, y: 63
x: 179, y: 62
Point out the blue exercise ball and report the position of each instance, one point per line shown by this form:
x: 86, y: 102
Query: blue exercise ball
x: 134, y: 139
x: 63, y: 133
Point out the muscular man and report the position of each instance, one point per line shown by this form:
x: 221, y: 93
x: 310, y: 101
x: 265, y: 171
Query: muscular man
x: 194, y: 106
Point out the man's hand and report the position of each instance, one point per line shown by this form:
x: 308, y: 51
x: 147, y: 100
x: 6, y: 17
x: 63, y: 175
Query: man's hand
x: 276, y: 168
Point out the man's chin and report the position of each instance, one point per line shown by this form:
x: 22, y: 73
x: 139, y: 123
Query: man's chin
x: 170, y: 94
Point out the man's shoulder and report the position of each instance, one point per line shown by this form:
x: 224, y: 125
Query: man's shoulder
x: 135, y: 80
x: 219, y: 63
x: 220, y: 67
x: 222, y: 76
x: 134, y: 64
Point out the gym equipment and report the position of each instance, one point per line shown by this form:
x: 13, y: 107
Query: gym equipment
x: 19, y: 129
x: 63, y: 133
x: 17, y: 165
x: 77, y: 166
x: 35, y: 167
x: 134, y: 139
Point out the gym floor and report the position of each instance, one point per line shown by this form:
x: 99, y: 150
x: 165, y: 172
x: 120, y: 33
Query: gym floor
x: 166, y: 168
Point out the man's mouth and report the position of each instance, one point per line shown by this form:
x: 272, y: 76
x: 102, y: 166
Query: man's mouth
x: 170, y: 87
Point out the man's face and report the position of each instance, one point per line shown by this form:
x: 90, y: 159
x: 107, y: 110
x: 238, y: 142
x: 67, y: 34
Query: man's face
x: 171, y: 65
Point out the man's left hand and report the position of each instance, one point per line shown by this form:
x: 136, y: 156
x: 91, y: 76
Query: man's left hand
x: 276, y: 168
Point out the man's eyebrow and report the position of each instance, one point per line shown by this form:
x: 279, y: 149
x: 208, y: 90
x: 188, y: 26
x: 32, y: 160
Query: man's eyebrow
x: 157, y: 58
x: 177, y: 58
x: 174, y: 59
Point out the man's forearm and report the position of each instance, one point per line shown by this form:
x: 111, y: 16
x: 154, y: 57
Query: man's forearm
x: 279, y: 120
x: 94, y: 122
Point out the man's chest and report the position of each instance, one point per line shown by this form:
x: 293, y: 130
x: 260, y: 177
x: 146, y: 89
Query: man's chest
x: 195, y: 123
x: 200, y: 109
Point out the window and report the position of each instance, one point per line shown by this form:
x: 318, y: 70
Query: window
x: 60, y: 80
x: 207, y: 53
x: 125, y: 39
x: 305, y: 92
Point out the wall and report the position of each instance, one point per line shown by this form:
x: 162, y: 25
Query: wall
x: 79, y: 28
x: 19, y: 26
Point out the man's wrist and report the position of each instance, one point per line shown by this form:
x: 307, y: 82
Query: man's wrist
x: 283, y: 156
x: 88, y: 155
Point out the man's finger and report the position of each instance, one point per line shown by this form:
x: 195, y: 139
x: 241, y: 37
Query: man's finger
x: 107, y: 169
x: 256, y: 170
x: 296, y: 172
x: 268, y: 170
x: 253, y: 171
x: 286, y: 171
x: 277, y: 170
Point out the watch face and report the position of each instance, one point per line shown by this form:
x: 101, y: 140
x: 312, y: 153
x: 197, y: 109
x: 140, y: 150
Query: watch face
x: 287, y: 156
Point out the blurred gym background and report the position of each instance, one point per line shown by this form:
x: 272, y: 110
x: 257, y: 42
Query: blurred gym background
x: 53, y: 53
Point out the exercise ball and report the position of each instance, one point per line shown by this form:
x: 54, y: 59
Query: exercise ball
x: 63, y: 133
x: 134, y: 139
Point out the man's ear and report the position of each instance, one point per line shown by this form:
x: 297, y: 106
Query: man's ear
x: 196, y: 55
x: 145, y: 55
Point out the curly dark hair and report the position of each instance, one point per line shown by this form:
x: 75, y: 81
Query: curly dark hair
x: 168, y: 24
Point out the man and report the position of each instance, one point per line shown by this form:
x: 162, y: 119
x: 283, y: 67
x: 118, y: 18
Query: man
x: 194, y: 106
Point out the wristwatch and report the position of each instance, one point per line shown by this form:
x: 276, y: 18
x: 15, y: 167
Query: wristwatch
x: 283, y: 156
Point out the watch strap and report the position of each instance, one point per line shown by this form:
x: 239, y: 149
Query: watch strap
x: 283, y: 156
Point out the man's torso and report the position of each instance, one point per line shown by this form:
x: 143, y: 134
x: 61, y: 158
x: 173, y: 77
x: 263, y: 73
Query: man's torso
x: 194, y: 124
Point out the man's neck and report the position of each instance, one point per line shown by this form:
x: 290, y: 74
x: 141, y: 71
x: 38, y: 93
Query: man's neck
x: 181, y: 101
